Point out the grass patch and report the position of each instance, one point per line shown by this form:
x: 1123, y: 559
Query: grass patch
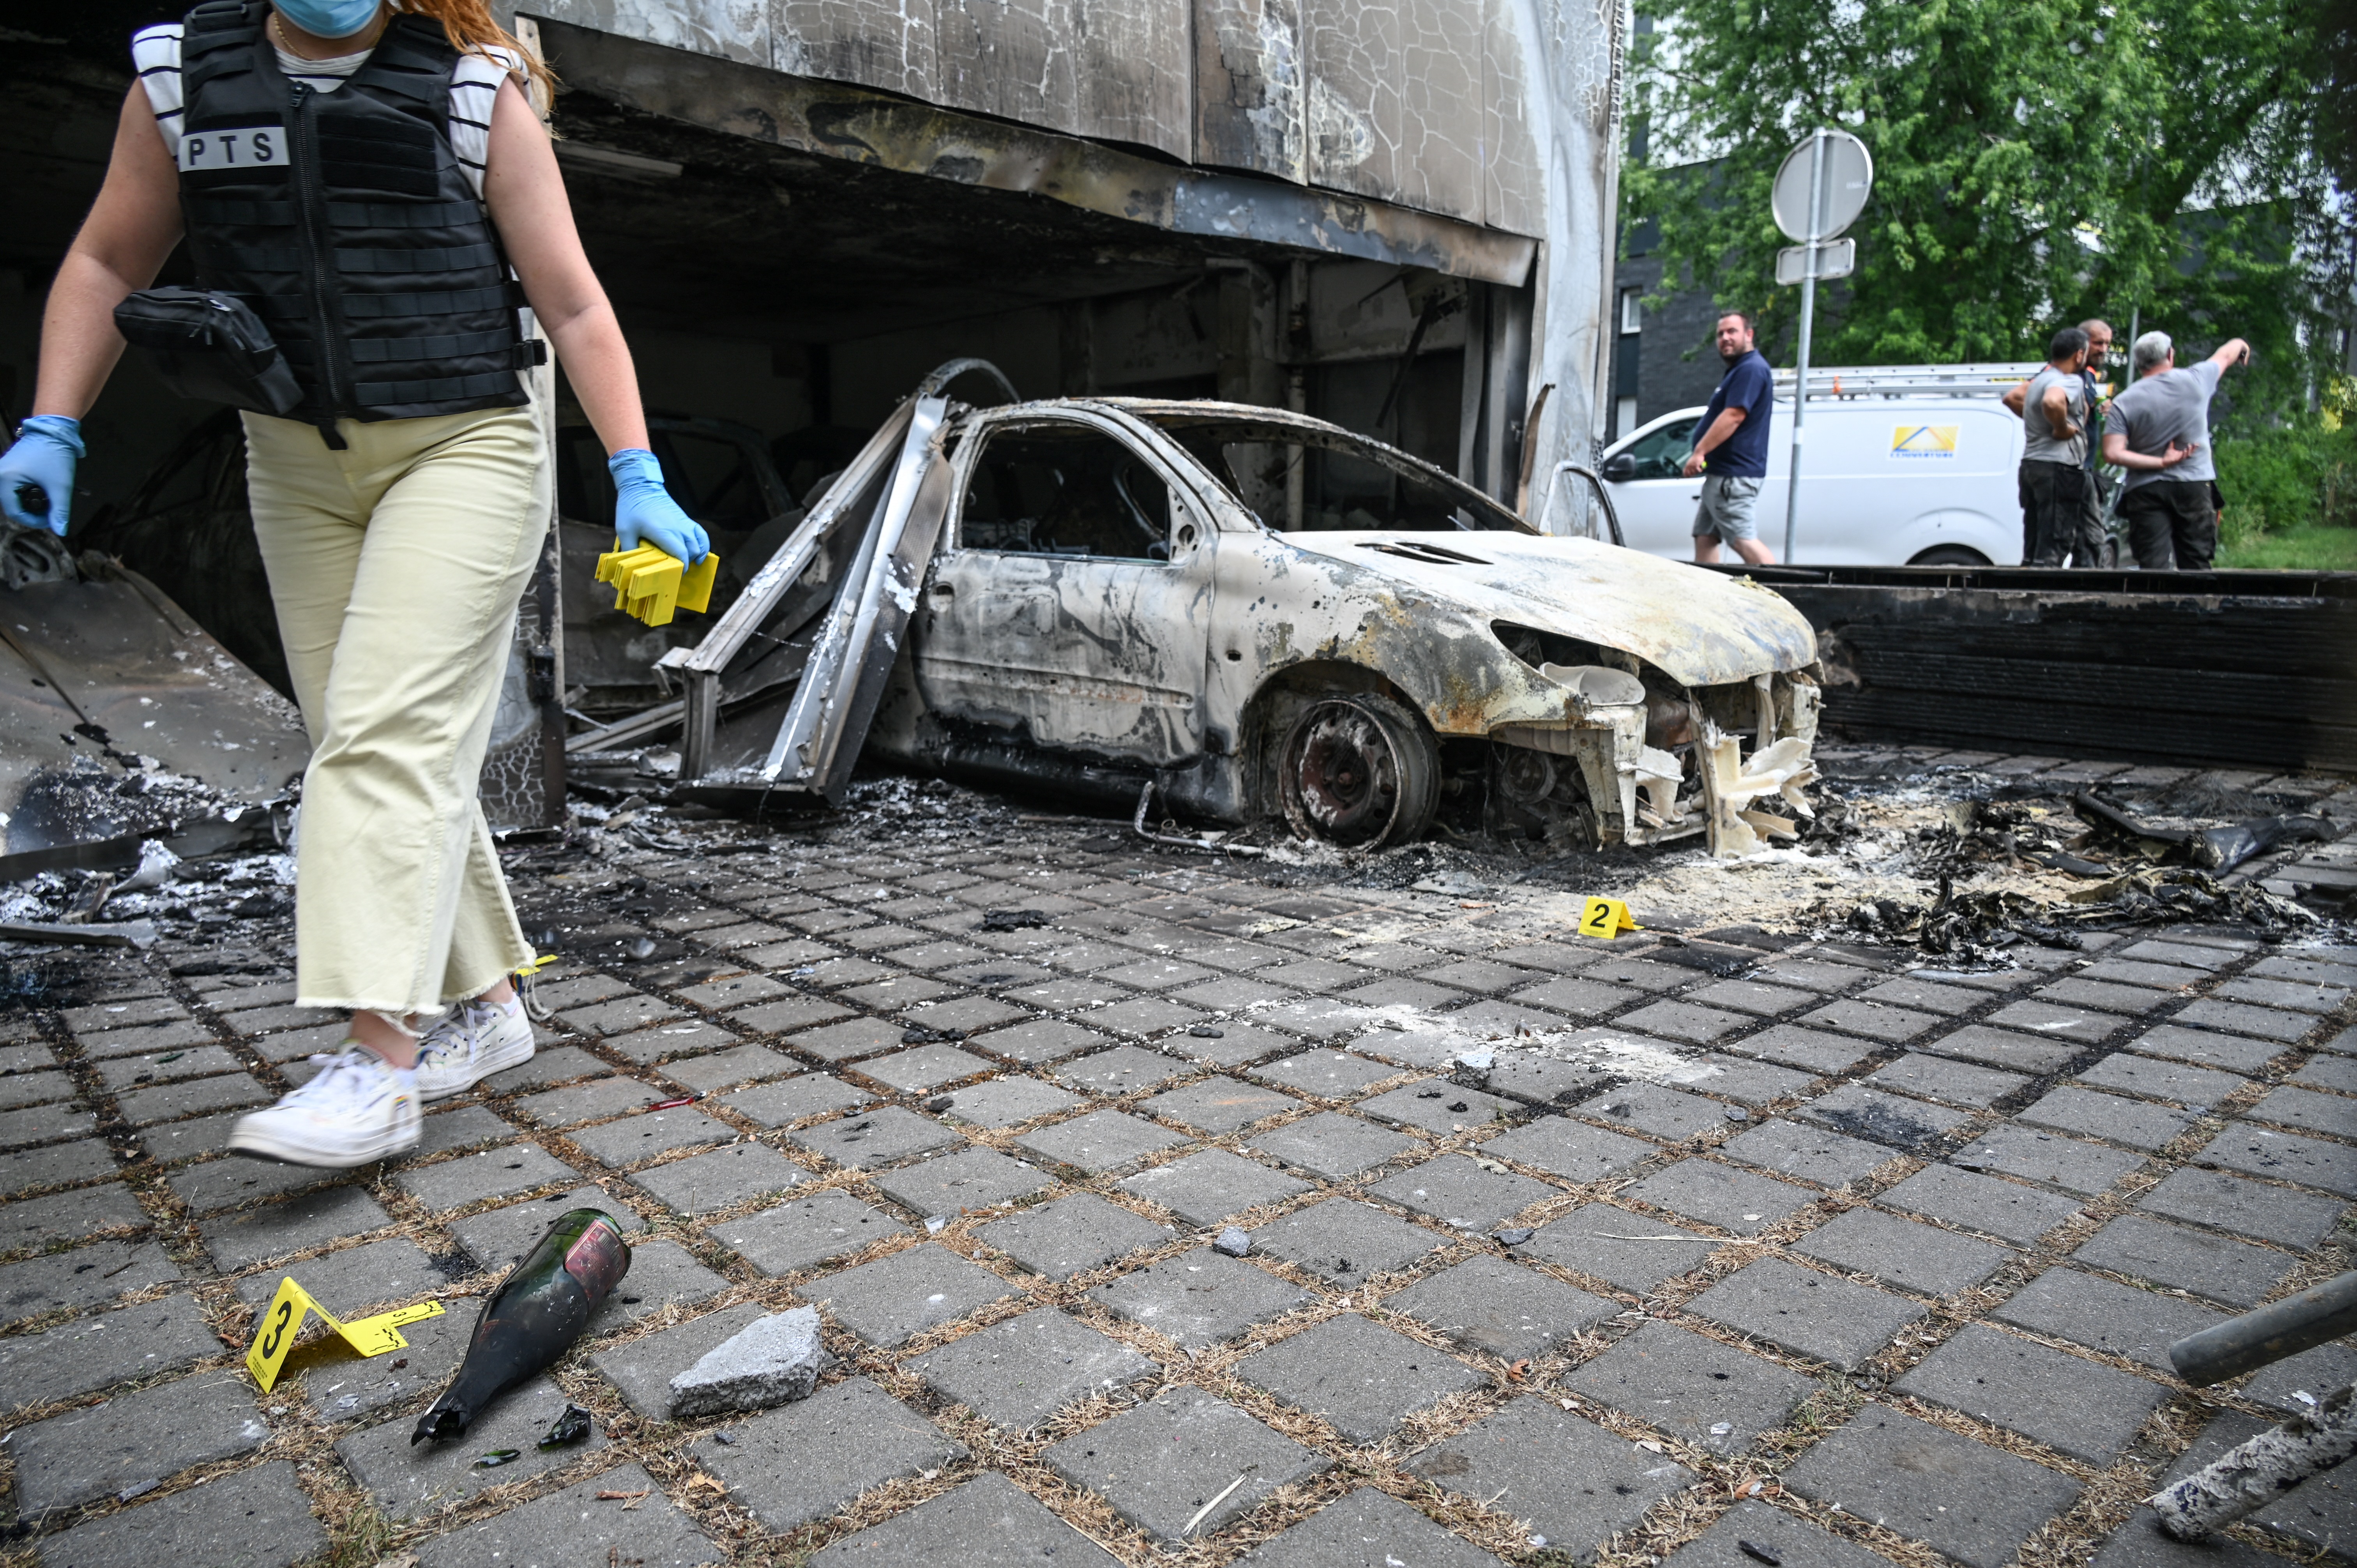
x: 2315, y: 547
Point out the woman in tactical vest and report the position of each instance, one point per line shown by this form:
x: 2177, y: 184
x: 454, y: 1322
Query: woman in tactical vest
x: 368, y: 188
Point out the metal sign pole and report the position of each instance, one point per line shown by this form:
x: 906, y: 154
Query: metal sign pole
x: 1808, y: 321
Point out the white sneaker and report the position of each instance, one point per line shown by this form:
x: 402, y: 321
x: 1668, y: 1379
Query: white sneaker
x: 355, y: 1110
x: 469, y: 1043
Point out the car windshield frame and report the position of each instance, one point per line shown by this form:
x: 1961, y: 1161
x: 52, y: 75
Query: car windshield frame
x: 1183, y: 428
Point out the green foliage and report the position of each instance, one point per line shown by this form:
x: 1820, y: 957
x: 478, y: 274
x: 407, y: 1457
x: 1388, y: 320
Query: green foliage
x: 2037, y: 162
x: 2292, y: 489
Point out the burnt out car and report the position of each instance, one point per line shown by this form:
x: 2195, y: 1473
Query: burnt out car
x: 1258, y: 615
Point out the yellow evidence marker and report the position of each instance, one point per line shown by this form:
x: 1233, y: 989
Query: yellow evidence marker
x: 649, y: 584
x: 1606, y: 919
x: 284, y: 1320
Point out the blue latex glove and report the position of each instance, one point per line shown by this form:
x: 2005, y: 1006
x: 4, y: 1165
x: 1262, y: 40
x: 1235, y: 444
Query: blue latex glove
x: 48, y: 447
x: 644, y: 513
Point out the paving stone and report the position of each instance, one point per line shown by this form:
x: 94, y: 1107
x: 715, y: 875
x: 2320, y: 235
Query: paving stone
x: 1220, y: 1104
x: 1212, y: 1186
x: 1018, y: 1372
x: 169, y: 1103
x: 1541, y: 1080
x: 2132, y: 1001
x: 493, y: 1173
x: 662, y: 1274
x: 2329, y: 1072
x: 2138, y: 1123
x: 1199, y: 1298
x: 2243, y: 1018
x: 176, y: 1142
x: 69, y: 1216
x: 1752, y: 996
x: 43, y: 1124
x: 1125, y: 1069
x: 392, y: 1272
x: 2191, y: 955
x: 2314, y: 1373
x: 735, y: 991
x: 1072, y: 1235
x: 1572, y: 1150
x: 1923, y: 995
x: 875, y: 1138
x: 1898, y: 1251
x: 2176, y: 1081
x: 619, y: 1015
x: 1345, y: 1242
x: 460, y: 1127
x: 1686, y: 1022
x: 498, y: 1237
x: 846, y: 1041
x: 1631, y: 1251
x: 1456, y: 1192
x: 1486, y: 1303
x: 1576, y: 1483
x: 1326, y: 1074
x: 1813, y: 1153
x: 726, y: 1070
x: 1875, y: 1020
x: 1365, y: 1530
x: 891, y: 1301
x: 2203, y: 1047
x: 2222, y: 1269
x: 124, y: 1074
x: 2018, y: 1214
x: 812, y: 1094
x: 1234, y: 1046
x: 2064, y: 1303
x: 2305, y: 1109
x: 2242, y: 1208
x: 1876, y: 1117
x: 1362, y: 1378
x: 578, y: 990
x: 703, y: 1183
x: 1720, y: 1195
x: 573, y: 1527
x: 136, y: 1440
x: 642, y: 1369
x: 966, y: 1014
x: 1438, y: 1106
x: 1748, y: 1082
x: 1806, y: 1312
x: 1811, y: 1050
x: 1168, y: 1460
x: 1975, y: 1503
x: 591, y: 1102
x: 2162, y: 977
x: 1043, y: 1040
x: 2067, y: 1162
x: 414, y: 1482
x: 252, y: 1518
x: 1005, y: 1101
x: 560, y: 1065
x: 100, y: 1016
x: 1708, y: 1393
x: 1332, y: 1144
x: 2284, y: 1157
x: 165, y: 1036
x: 2058, y: 1021
x: 1100, y: 1142
x: 86, y: 1277
x: 1663, y: 1113
x: 2005, y: 1049
x: 87, y: 1354
x: 787, y: 1013
x: 18, y: 1089
x: 218, y: 1184
x: 966, y: 1181
x: 1954, y: 1082
x: 802, y: 1232
x: 1795, y: 1542
x: 988, y: 1522
x: 802, y: 1463
x: 925, y: 1068
x: 679, y: 1039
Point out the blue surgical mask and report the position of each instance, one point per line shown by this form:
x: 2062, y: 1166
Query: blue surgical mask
x: 328, y: 18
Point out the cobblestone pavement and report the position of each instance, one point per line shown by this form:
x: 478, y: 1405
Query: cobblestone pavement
x: 1884, y: 1271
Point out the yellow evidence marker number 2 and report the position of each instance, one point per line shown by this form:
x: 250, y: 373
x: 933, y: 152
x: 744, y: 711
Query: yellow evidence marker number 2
x: 284, y: 1320
x: 1606, y: 919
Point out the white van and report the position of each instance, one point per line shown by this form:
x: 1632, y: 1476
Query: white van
x: 1903, y: 466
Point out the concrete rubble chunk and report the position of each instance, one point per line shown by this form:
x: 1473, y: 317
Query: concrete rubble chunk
x: 774, y: 1360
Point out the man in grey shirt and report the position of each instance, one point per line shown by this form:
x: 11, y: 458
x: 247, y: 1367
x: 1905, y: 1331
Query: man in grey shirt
x: 2158, y: 430
x: 2054, y: 451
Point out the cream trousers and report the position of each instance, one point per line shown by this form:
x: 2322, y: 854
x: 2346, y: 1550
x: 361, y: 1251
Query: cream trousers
x: 395, y: 566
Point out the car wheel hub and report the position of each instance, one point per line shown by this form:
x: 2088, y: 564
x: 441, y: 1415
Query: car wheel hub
x: 1342, y: 780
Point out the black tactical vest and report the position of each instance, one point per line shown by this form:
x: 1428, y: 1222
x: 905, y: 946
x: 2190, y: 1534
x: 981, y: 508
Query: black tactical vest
x: 346, y: 222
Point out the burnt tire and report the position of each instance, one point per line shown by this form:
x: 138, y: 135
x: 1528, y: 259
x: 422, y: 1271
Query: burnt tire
x: 1358, y: 771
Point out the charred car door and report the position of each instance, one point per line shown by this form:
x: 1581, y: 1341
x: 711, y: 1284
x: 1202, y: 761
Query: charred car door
x: 1071, y: 602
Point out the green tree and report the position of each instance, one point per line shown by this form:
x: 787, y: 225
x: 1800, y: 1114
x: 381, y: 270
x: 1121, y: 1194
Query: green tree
x: 2036, y: 162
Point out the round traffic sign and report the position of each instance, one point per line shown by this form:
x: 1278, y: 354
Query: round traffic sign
x: 1841, y: 194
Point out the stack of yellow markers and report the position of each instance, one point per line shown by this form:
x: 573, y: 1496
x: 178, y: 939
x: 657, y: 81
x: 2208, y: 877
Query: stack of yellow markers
x: 651, y: 584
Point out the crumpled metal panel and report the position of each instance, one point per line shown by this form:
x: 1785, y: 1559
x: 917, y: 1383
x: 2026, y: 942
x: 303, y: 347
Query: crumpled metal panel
x: 92, y: 672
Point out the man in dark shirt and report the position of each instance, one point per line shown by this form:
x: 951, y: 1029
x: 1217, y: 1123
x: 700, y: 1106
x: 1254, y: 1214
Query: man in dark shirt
x: 1730, y: 448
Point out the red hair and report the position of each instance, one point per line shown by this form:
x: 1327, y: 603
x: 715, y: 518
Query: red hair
x: 471, y: 29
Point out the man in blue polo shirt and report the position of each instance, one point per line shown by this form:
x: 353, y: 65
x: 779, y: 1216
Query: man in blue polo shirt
x: 1730, y: 448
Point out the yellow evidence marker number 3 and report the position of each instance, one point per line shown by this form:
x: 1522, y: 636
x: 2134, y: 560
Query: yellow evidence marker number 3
x: 284, y: 1320
x: 1606, y: 919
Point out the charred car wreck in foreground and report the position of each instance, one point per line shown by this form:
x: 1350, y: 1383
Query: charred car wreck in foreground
x: 1084, y: 593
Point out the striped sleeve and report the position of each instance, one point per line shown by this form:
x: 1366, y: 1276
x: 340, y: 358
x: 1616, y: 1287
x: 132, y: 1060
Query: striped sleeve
x: 155, y: 55
x: 474, y: 87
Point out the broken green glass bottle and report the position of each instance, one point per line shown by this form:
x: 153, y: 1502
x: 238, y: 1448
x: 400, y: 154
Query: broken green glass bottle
x: 539, y: 1310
